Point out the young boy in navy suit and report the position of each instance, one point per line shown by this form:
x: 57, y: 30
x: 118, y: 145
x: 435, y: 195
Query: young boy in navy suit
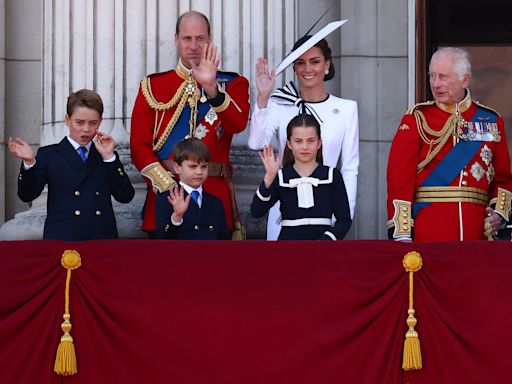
x: 188, y: 212
x: 82, y: 172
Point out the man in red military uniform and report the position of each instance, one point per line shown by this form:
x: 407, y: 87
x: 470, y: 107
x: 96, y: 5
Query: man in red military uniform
x: 193, y: 100
x: 449, y: 168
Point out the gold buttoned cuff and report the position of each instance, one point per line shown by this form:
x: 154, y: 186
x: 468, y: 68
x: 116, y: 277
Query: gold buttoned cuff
x: 503, y: 203
x: 160, y: 178
x: 402, y: 219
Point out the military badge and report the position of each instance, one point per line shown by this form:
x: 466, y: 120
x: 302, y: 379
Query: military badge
x: 490, y: 174
x: 210, y: 117
x: 481, y: 131
x: 219, y: 130
x: 200, y: 132
x: 403, y: 127
x: 486, y: 155
x: 477, y: 171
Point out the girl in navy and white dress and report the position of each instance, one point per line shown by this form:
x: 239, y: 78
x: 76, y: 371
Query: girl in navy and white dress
x: 310, y: 194
x: 338, y: 117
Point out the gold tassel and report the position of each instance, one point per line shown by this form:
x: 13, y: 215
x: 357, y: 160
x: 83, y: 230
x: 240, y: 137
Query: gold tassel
x: 65, y: 360
x: 412, y: 349
x: 238, y: 232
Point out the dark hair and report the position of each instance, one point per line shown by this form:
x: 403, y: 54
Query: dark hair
x: 192, y: 13
x: 302, y: 120
x: 84, y: 98
x: 326, y: 52
x: 191, y: 149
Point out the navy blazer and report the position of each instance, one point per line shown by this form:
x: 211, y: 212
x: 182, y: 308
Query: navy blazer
x: 79, y: 206
x: 205, y: 223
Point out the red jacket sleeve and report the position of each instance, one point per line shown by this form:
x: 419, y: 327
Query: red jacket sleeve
x: 141, y: 135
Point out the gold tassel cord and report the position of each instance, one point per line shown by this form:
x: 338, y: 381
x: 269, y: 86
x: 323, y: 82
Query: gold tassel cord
x: 412, y: 349
x: 65, y: 359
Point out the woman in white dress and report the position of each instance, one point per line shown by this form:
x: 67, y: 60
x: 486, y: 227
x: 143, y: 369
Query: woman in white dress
x: 338, y: 117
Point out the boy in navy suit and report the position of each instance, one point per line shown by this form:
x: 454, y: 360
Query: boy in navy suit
x: 189, y: 212
x: 82, y: 172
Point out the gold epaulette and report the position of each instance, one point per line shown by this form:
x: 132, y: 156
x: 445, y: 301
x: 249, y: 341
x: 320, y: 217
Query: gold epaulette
x: 411, y: 109
x: 160, y: 178
x: 486, y: 107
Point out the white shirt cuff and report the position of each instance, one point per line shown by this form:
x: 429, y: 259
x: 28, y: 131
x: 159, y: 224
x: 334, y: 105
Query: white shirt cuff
x: 176, y: 223
x: 111, y: 160
x: 26, y: 167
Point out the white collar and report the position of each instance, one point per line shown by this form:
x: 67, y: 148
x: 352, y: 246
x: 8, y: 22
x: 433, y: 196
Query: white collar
x: 304, y: 185
x: 76, y: 145
x: 189, y: 189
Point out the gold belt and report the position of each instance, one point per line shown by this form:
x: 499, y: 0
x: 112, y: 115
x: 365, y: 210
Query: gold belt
x: 450, y: 195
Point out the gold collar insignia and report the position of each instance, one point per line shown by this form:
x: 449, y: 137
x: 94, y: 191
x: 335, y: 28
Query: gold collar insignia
x: 463, y: 105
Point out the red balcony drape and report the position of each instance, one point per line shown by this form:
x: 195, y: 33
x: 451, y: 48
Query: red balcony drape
x: 256, y: 312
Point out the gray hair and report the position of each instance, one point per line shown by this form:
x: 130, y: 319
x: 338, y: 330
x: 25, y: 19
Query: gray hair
x: 461, y: 63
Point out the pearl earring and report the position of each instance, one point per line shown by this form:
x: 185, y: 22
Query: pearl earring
x: 326, y: 72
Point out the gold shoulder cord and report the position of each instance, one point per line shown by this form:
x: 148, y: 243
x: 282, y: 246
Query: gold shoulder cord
x: 440, y: 137
x: 187, y: 92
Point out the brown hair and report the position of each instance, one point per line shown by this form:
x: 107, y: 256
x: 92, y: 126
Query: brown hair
x: 192, y: 13
x: 302, y: 120
x: 326, y: 52
x: 191, y: 149
x: 84, y: 98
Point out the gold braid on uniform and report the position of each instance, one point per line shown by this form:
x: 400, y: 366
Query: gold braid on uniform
x: 188, y: 91
x: 439, y: 137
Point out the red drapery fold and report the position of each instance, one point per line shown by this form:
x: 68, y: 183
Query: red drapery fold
x: 255, y: 312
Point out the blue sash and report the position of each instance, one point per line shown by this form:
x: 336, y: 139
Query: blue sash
x: 182, y: 127
x: 451, y: 165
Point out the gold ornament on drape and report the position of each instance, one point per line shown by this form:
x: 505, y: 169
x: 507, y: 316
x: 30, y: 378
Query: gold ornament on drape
x: 65, y: 360
x: 412, y: 350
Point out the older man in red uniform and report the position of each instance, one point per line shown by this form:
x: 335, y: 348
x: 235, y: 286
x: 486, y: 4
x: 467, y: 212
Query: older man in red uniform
x: 193, y: 100
x: 449, y: 168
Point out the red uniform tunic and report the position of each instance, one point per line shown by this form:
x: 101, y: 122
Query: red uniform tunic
x: 486, y: 171
x: 216, y: 129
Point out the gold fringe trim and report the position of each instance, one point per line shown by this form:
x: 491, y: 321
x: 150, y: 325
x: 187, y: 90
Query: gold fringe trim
x: 65, y: 359
x: 412, y: 350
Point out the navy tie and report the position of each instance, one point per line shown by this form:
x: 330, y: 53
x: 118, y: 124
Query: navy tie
x: 195, y: 196
x: 82, y: 151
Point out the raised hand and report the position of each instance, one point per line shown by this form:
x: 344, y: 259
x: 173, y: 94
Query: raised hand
x: 20, y: 148
x: 104, y: 145
x: 178, y: 201
x: 265, y: 82
x: 206, y: 72
x: 271, y: 163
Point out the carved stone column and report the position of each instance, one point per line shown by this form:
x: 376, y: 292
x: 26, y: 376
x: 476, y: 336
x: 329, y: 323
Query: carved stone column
x: 109, y: 46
